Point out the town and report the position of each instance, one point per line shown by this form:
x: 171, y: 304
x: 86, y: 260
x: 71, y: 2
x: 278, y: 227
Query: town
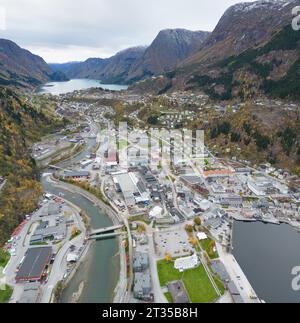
x: 173, y: 217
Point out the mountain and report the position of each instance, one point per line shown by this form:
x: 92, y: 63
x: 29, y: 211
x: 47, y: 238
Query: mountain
x: 168, y: 49
x: 110, y: 70
x: 252, y: 46
x: 21, y: 68
x: 243, y: 26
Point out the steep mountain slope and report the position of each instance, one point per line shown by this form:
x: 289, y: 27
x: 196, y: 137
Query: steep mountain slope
x: 243, y: 26
x: 20, y: 125
x: 168, y: 49
x: 20, y: 68
x: 272, y: 69
x: 111, y: 70
x: 252, y: 51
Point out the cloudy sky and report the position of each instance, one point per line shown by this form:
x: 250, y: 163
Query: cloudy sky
x: 68, y: 30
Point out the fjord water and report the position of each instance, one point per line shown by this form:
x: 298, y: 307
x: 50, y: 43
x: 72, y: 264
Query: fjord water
x: 267, y: 254
x: 57, y: 88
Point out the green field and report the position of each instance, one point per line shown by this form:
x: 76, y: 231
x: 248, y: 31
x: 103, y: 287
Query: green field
x: 205, y: 246
x: 169, y: 298
x: 5, y: 294
x: 196, y: 281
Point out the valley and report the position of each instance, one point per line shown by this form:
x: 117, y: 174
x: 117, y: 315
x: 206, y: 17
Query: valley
x: 165, y: 173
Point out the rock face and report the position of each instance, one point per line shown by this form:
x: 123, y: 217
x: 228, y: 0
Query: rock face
x: 253, y: 50
x: 244, y: 25
x: 168, y: 49
x: 20, y: 68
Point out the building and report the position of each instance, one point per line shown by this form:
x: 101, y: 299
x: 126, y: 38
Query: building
x: 178, y: 292
x: 133, y: 193
x: 76, y: 175
x: 201, y: 236
x: 235, y: 294
x: 43, y: 232
x: 204, y: 205
x: 142, y: 286
x: 156, y: 213
x: 112, y: 159
x: 35, y: 262
x: 212, y: 174
x: 186, y: 263
x: 231, y: 200
x: 140, y: 262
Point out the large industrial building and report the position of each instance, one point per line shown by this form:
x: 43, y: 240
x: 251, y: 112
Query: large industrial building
x: 132, y: 189
x: 34, y: 264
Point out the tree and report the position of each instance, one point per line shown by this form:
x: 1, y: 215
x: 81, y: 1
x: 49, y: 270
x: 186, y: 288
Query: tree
x: 74, y: 231
x: 193, y: 241
x: 168, y: 258
x: 189, y: 228
x: 211, y: 247
x: 198, y: 221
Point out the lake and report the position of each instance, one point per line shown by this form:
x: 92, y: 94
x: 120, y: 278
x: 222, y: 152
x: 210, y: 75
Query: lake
x: 57, y: 88
x: 267, y: 253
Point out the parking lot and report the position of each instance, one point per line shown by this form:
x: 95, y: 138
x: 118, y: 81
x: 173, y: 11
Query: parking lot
x: 173, y: 243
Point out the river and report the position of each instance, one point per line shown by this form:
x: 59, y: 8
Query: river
x: 100, y: 270
x: 57, y: 88
x: 267, y: 253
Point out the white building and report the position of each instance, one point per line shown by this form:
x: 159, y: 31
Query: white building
x: 186, y: 263
x: 156, y: 213
x: 202, y: 236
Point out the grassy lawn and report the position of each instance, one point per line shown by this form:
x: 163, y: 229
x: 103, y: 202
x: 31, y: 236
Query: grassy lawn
x: 196, y: 281
x: 5, y: 294
x: 75, y: 235
x: 169, y: 298
x: 205, y: 244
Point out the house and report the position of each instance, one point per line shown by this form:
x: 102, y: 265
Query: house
x: 178, y: 292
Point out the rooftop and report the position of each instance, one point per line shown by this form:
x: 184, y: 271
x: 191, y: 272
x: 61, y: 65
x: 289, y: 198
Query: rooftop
x: 34, y: 263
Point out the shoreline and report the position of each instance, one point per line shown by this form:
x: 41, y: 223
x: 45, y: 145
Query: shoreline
x: 108, y: 211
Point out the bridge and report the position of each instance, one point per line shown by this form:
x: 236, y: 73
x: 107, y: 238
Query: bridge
x: 105, y: 230
x: 57, y: 168
x: 106, y: 236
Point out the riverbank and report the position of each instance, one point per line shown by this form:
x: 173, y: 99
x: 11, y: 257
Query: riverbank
x: 120, y: 288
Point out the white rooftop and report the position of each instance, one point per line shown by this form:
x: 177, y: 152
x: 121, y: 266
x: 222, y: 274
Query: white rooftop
x: 186, y: 263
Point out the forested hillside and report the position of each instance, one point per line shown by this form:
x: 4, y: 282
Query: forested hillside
x: 20, y: 125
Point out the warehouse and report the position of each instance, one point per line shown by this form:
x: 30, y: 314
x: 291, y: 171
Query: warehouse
x: 133, y: 192
x: 76, y: 175
x: 34, y: 265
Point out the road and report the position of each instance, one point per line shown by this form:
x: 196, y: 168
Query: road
x: 237, y: 276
